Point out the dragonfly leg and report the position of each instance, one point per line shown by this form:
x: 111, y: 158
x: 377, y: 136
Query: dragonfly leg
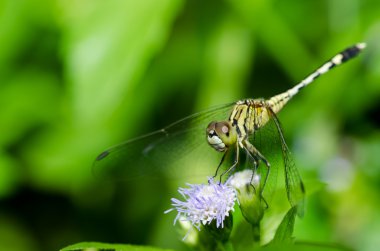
x: 255, y: 166
x: 256, y: 155
x: 255, y: 162
x: 254, y: 159
x: 220, y: 164
x: 236, y: 161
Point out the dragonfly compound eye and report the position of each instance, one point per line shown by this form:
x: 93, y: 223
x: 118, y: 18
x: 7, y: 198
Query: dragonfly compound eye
x: 220, y: 135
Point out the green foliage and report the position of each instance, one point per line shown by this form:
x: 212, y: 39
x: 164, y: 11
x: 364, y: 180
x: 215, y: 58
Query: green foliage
x: 284, y: 231
x: 96, y: 246
x: 79, y: 76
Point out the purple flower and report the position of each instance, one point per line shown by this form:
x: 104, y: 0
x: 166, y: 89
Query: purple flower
x: 204, y: 203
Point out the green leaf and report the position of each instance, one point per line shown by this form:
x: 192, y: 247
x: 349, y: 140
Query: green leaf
x: 285, y: 229
x: 305, y: 247
x: 97, y: 246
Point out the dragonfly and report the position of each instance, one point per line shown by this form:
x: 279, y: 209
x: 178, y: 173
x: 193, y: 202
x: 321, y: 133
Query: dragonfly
x: 250, y: 126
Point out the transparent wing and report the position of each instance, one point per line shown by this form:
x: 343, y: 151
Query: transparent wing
x: 178, y: 150
x: 294, y: 186
x: 269, y: 140
x: 267, y: 143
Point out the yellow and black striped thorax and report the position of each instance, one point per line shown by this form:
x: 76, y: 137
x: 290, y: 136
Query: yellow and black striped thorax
x: 248, y: 116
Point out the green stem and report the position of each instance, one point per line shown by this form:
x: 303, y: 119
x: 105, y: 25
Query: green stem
x: 256, y: 233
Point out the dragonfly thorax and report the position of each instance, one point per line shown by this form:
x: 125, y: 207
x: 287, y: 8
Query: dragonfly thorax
x: 221, y: 135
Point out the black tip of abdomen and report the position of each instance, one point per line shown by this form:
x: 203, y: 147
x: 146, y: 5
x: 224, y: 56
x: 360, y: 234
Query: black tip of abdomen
x: 351, y: 52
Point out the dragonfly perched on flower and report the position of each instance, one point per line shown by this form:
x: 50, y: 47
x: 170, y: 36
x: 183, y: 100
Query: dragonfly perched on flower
x: 249, y: 126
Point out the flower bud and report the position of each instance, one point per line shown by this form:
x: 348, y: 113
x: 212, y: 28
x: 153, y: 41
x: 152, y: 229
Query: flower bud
x: 247, y: 185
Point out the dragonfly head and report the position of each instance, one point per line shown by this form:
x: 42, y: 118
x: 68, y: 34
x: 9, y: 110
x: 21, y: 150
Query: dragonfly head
x: 221, y: 135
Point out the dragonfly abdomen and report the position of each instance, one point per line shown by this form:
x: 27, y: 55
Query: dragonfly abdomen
x: 276, y: 103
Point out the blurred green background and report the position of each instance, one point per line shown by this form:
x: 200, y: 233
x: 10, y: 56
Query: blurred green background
x: 79, y: 76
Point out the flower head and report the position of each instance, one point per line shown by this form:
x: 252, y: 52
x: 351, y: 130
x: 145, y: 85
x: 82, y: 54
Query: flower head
x: 204, y: 203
